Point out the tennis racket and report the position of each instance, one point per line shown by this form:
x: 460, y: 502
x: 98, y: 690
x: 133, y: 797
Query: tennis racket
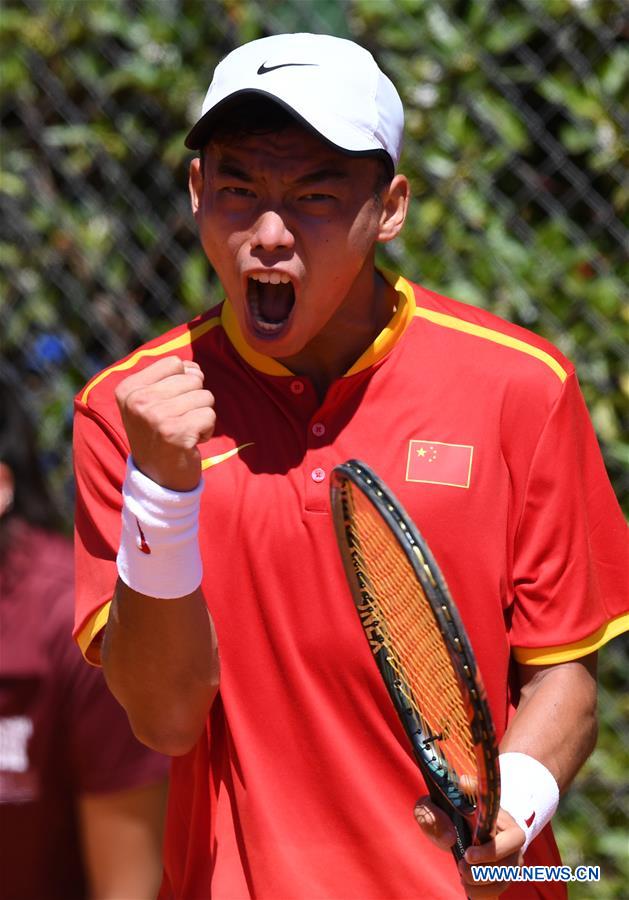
x: 421, y: 649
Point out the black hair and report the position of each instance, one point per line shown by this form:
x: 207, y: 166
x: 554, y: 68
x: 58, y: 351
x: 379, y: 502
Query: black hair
x: 251, y: 114
x: 255, y: 115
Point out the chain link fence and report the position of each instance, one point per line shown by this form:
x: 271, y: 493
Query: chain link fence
x: 516, y: 149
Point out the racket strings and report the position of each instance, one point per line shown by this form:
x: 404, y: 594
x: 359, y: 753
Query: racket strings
x: 406, y: 621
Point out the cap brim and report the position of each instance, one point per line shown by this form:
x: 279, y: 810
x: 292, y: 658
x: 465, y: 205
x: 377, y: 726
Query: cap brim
x: 201, y: 132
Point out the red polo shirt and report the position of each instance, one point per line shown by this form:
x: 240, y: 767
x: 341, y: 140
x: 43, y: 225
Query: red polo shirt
x: 303, y: 785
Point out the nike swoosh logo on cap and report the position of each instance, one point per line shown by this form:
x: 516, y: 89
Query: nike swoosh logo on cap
x: 264, y: 68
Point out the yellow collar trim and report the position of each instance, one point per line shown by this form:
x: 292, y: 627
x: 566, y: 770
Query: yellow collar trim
x: 384, y: 342
x: 394, y: 329
x: 259, y: 361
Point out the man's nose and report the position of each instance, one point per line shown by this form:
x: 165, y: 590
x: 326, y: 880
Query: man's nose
x: 271, y: 232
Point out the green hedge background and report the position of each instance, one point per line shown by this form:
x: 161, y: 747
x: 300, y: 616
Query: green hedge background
x: 516, y: 149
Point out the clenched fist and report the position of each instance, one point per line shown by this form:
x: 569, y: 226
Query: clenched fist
x: 166, y: 413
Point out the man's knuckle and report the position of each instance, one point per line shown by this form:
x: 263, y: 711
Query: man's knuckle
x: 168, y: 365
x: 138, y: 401
x: 166, y: 430
x: 133, y: 405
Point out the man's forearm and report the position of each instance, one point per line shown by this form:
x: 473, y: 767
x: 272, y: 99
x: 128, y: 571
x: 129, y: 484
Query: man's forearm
x: 556, y: 719
x: 160, y: 659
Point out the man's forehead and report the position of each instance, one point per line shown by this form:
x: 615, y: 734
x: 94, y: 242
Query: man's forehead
x: 293, y: 148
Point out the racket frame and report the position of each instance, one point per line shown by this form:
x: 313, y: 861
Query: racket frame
x: 474, y: 823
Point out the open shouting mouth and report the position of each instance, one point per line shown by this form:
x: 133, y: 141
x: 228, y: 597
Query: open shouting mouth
x: 271, y: 298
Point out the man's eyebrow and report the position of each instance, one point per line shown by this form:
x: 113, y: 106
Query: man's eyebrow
x: 226, y: 167
x: 325, y: 174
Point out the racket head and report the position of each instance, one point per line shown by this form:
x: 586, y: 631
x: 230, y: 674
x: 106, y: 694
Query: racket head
x: 420, y: 646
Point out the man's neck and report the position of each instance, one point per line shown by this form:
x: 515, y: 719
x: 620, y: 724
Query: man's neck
x: 346, y: 338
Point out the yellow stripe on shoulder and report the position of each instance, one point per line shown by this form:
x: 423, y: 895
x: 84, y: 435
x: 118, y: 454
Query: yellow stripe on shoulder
x: 543, y: 656
x: 489, y: 334
x: 184, y: 340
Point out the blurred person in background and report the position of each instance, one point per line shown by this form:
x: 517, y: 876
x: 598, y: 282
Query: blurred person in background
x: 81, y: 800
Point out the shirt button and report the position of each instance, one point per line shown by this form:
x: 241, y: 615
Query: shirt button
x: 318, y: 429
x: 317, y: 475
x: 297, y: 387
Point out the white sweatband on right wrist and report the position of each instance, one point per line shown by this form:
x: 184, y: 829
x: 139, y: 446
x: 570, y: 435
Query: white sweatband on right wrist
x: 159, y: 549
x: 528, y: 792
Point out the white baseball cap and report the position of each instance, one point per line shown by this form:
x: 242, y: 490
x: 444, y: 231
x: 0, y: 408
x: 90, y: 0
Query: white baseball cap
x: 331, y: 85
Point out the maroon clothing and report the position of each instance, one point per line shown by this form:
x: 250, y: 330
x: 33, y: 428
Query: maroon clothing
x: 62, y: 733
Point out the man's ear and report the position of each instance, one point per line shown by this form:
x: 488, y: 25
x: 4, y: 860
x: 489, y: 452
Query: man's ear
x: 195, y: 185
x: 394, y: 208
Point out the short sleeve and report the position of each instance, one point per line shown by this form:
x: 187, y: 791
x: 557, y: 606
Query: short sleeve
x: 100, y: 456
x: 571, y: 569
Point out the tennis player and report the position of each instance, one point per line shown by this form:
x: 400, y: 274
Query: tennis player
x: 204, y: 528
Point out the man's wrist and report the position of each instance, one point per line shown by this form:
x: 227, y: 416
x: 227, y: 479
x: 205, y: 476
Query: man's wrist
x: 159, y: 552
x: 528, y: 792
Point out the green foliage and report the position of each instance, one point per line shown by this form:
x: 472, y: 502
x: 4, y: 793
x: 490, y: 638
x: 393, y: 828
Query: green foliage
x: 516, y: 153
x: 517, y: 158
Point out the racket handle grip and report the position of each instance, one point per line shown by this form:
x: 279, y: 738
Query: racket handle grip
x: 463, y: 836
x: 461, y: 826
x: 462, y: 829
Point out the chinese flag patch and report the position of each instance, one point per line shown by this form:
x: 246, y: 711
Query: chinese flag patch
x: 433, y: 462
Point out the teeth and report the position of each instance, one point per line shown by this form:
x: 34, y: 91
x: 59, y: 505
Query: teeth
x: 269, y: 327
x: 270, y: 277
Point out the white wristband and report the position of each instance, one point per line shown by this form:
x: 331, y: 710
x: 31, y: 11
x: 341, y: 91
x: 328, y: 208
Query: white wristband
x: 159, y: 549
x: 528, y: 792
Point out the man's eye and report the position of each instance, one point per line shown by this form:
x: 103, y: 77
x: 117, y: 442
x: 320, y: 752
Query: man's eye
x: 314, y: 197
x: 233, y: 191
